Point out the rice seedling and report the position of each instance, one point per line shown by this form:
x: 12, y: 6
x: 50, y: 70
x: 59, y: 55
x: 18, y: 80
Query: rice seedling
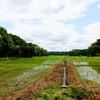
x: 16, y: 73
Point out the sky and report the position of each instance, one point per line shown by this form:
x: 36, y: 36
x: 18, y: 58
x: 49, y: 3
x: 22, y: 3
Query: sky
x: 55, y: 25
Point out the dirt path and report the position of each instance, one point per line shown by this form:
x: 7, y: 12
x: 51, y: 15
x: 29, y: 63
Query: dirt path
x: 28, y: 93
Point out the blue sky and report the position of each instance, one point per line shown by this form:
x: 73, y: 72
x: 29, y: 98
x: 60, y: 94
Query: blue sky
x: 92, y: 16
x: 56, y: 25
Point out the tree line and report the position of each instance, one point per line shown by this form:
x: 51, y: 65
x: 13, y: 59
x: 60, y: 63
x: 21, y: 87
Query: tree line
x: 74, y: 52
x: 92, y: 50
x: 14, y: 46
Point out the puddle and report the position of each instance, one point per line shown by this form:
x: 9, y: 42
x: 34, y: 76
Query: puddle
x: 37, y: 69
x: 26, y: 74
x: 41, y: 67
x: 80, y: 63
x: 51, y: 62
x: 89, y: 73
x: 30, y: 75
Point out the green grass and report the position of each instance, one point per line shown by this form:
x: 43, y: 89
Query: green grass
x: 71, y: 93
x: 89, y: 67
x: 16, y: 73
x: 53, y: 93
x: 93, y: 82
x: 85, y: 58
x: 97, y: 62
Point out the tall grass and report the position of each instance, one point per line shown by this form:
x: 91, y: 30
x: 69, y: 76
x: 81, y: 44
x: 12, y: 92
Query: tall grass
x: 71, y: 93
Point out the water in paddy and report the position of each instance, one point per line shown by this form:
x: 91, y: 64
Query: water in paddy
x: 88, y: 72
x: 28, y: 76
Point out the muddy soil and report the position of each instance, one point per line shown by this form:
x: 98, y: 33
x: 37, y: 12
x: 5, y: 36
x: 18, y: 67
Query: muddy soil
x: 75, y: 80
x: 29, y: 92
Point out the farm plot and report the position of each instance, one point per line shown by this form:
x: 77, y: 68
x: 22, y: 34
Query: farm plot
x: 89, y: 69
x: 15, y: 74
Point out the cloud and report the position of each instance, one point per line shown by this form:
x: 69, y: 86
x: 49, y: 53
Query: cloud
x: 43, y: 22
x: 98, y: 5
x: 21, y: 2
x: 43, y: 9
x: 50, y: 35
x: 93, y: 30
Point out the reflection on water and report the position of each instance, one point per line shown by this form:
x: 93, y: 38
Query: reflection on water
x: 50, y: 62
x: 35, y: 73
x: 37, y: 69
x: 80, y: 63
x: 89, y: 73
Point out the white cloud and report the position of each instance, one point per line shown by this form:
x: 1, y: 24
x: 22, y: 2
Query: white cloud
x: 93, y: 30
x: 41, y: 22
x: 98, y: 5
x: 21, y: 2
x: 50, y: 35
x: 43, y: 9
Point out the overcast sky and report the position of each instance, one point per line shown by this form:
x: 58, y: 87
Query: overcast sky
x: 55, y: 25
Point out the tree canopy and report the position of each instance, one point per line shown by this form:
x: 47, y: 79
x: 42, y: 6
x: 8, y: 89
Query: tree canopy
x: 94, y: 49
x: 74, y: 52
x: 14, y: 46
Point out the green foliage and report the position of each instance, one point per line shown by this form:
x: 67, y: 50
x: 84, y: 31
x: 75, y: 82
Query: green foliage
x: 16, y: 73
x: 78, y: 52
x: 5, y: 42
x: 71, y: 93
x: 51, y: 95
x: 74, y: 52
x: 94, y: 49
x: 14, y: 46
x: 80, y: 93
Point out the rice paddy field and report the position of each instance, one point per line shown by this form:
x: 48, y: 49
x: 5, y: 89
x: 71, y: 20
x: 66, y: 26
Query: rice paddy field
x: 16, y: 73
x: 88, y: 68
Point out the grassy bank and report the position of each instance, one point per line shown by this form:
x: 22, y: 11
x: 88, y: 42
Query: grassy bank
x: 16, y: 73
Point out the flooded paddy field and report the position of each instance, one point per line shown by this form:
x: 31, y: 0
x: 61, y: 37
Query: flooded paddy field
x: 88, y: 69
x: 15, y: 74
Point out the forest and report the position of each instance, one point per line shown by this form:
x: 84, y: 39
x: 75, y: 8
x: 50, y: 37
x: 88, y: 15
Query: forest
x: 74, y: 52
x: 92, y: 50
x: 14, y: 46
